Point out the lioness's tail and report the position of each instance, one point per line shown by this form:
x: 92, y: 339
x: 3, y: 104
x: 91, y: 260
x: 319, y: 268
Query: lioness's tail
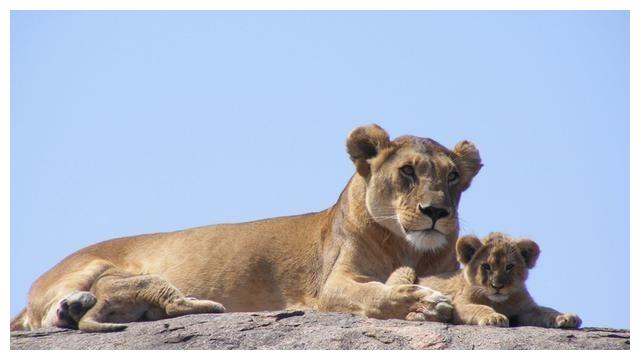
x: 88, y: 325
x: 20, y: 322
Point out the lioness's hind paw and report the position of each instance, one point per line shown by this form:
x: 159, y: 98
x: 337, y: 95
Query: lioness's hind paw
x: 206, y: 306
x: 73, y: 307
x: 215, y: 307
x: 568, y: 321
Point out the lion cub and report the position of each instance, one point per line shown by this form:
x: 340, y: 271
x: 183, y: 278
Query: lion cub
x: 490, y: 289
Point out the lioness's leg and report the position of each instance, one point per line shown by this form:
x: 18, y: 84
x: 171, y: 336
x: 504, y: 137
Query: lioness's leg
x: 549, y: 318
x: 377, y: 300
x: 93, y: 320
x: 61, y: 302
x: 123, y: 297
x: 474, y: 314
x: 402, y: 276
x: 157, y: 292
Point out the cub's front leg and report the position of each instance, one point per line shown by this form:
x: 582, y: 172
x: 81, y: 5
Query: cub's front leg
x: 474, y: 314
x: 549, y: 318
x: 374, y: 299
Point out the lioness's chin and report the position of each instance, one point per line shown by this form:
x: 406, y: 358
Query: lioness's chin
x: 429, y: 240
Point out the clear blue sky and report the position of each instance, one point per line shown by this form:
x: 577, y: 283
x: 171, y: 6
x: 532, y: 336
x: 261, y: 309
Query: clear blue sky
x: 125, y: 123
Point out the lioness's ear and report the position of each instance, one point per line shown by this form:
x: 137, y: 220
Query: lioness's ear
x: 529, y: 251
x: 364, y: 143
x: 466, y: 247
x: 469, y: 162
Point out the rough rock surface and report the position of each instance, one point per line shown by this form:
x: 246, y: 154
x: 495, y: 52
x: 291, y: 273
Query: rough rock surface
x: 316, y: 330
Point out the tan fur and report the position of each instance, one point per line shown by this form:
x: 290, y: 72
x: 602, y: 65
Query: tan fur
x: 333, y: 260
x: 474, y: 299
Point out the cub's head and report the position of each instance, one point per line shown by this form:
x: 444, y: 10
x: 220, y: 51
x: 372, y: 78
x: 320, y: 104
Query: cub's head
x: 498, y: 266
x: 413, y: 185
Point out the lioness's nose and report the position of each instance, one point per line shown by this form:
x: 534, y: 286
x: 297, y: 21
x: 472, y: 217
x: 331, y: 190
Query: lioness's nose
x: 497, y: 286
x: 433, y: 212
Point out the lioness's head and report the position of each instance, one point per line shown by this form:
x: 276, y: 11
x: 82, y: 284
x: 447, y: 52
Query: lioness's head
x: 413, y: 184
x: 498, y: 266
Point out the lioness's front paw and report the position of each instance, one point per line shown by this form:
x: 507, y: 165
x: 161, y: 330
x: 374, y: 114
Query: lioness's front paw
x: 434, y: 306
x: 425, y: 303
x: 495, y: 319
x: 568, y: 321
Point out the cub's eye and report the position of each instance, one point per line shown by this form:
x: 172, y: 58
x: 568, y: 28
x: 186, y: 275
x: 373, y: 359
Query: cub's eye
x: 486, y: 267
x: 453, y: 176
x: 408, y: 170
x: 509, y: 267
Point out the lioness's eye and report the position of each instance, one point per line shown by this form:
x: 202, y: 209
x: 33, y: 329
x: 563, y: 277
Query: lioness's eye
x: 453, y: 176
x: 408, y: 170
x: 509, y: 267
x: 486, y: 267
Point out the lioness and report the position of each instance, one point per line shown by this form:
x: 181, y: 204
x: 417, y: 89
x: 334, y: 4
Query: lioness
x: 490, y: 290
x: 398, y: 209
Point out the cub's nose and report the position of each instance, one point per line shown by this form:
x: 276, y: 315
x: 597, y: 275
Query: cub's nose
x: 497, y: 286
x: 433, y: 212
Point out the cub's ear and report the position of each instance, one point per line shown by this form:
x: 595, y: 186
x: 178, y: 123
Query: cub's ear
x: 364, y: 143
x: 529, y: 251
x: 469, y: 162
x: 466, y: 247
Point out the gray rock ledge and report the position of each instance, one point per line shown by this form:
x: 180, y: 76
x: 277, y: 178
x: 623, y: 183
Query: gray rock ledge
x: 316, y: 330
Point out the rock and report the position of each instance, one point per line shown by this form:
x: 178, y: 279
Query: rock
x: 316, y: 330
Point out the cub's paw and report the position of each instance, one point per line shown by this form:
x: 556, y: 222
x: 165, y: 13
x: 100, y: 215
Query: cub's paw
x: 568, y: 321
x: 495, y: 319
